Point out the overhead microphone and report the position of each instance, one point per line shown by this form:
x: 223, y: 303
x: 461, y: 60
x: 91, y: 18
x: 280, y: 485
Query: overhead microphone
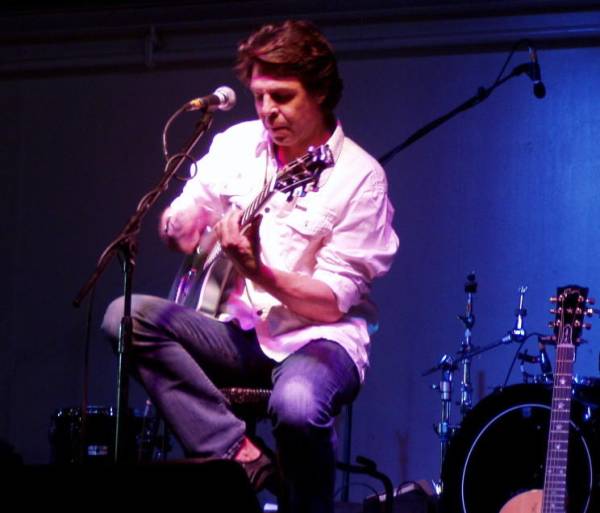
x: 535, y: 73
x: 518, y: 334
x: 222, y: 99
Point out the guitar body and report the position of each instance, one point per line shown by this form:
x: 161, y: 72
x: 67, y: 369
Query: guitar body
x: 200, y: 288
x: 526, y: 502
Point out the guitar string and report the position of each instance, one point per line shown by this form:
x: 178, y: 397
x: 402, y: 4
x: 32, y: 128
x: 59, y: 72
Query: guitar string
x: 561, y: 393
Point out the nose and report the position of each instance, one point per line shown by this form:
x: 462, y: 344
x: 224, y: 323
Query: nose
x: 269, y: 107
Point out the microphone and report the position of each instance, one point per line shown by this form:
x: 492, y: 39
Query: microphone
x: 223, y: 99
x: 544, y: 361
x: 535, y: 73
x: 518, y: 331
x: 517, y: 334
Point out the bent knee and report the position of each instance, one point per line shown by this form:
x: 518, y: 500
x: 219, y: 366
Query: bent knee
x: 112, y: 317
x: 295, y: 404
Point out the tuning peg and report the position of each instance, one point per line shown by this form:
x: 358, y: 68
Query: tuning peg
x: 587, y: 326
x: 556, y: 311
x: 591, y: 301
x: 547, y: 339
x: 553, y: 324
x: 553, y: 299
x: 580, y: 341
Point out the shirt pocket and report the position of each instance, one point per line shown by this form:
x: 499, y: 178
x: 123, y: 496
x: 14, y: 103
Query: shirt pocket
x: 235, y: 190
x: 315, y: 223
x: 305, y: 233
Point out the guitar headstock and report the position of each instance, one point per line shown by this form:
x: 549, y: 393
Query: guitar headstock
x: 572, y: 305
x: 303, y: 174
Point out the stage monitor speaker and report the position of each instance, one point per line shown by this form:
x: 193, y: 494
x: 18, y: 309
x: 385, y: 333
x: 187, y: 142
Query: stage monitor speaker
x: 208, y: 487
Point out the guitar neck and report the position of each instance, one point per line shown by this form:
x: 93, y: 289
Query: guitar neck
x: 248, y: 214
x: 299, y: 173
x: 555, y: 482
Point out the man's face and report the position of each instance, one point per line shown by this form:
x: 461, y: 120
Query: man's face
x: 292, y: 116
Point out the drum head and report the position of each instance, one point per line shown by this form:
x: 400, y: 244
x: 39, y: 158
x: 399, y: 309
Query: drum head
x: 500, y: 451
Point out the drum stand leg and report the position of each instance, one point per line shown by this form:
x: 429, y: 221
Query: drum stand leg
x: 443, y: 428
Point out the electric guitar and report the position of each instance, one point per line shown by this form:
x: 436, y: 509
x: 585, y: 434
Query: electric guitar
x: 571, y: 306
x: 206, y: 276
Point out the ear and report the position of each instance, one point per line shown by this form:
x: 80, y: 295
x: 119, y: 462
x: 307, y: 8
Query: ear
x: 320, y: 98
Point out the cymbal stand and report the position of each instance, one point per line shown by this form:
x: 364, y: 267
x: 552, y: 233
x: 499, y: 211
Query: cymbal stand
x: 466, y: 347
x: 443, y: 428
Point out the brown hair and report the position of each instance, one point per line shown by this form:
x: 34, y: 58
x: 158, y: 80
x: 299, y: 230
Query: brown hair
x: 293, y: 48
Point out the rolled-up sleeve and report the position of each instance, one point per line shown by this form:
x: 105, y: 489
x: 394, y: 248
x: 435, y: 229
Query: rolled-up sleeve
x: 361, y: 246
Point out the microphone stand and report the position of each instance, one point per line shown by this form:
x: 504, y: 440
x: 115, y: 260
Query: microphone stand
x: 125, y: 245
x: 481, y: 95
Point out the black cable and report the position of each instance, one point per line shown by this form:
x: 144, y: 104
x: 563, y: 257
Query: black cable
x: 85, y: 385
x: 183, y: 155
x: 164, y: 137
x: 526, y: 42
x: 510, y: 369
x: 357, y: 483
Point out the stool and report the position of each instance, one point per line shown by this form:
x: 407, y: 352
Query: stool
x: 250, y: 404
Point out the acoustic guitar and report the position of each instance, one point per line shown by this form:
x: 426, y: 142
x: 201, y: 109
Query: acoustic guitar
x: 571, y: 306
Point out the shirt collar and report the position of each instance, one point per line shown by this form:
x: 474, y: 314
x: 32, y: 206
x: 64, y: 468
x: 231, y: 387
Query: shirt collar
x: 335, y: 142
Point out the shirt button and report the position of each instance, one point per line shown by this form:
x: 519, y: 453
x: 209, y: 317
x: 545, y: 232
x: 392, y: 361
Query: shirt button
x: 267, y: 210
x: 259, y: 312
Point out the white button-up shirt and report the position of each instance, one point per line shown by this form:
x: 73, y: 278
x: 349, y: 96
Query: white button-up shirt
x: 340, y: 234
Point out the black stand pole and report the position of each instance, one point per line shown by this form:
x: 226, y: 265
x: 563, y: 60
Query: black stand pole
x: 125, y: 245
x: 128, y: 254
x: 482, y: 94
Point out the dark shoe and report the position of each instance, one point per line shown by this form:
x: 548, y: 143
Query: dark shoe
x: 259, y: 471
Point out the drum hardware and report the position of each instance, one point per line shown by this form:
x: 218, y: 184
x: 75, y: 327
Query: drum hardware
x: 466, y: 387
x: 76, y: 438
x: 153, y: 440
x: 443, y: 429
x: 546, y: 376
x: 449, y: 364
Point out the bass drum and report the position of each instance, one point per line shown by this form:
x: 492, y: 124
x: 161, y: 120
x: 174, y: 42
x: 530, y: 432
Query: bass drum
x: 500, y: 451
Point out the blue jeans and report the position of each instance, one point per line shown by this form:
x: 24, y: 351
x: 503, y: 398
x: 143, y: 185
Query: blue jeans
x: 182, y: 358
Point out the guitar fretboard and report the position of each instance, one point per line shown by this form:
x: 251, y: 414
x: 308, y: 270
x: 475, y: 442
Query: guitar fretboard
x: 555, y: 481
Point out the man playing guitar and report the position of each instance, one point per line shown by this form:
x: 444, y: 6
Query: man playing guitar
x: 298, y: 315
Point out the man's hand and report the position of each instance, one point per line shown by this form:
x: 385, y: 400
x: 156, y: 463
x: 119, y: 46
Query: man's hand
x: 181, y: 229
x: 302, y: 294
x: 242, y: 246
